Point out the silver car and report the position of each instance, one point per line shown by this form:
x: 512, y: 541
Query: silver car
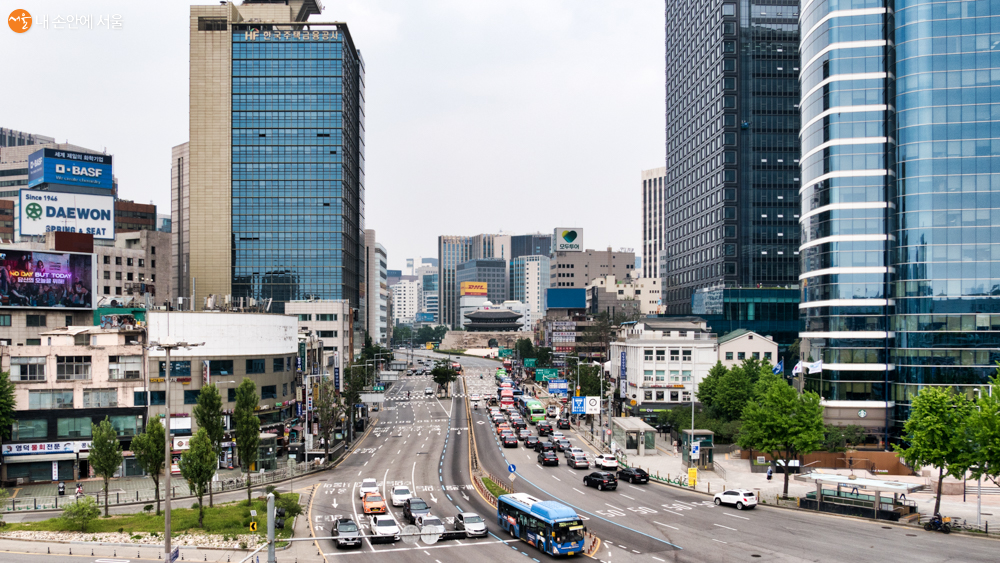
x: 347, y: 533
x: 472, y: 523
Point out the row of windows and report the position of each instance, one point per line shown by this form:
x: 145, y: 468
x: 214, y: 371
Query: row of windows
x: 191, y: 396
x: 132, y: 261
x: 79, y: 427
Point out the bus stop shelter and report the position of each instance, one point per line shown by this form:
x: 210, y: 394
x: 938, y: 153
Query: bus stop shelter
x: 633, y: 436
x: 857, y: 496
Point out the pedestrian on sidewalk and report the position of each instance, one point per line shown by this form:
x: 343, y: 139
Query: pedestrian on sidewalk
x: 769, y: 473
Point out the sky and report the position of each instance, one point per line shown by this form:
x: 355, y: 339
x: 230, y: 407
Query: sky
x: 481, y: 115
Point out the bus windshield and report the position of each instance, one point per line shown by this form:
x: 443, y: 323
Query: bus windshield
x: 567, y: 532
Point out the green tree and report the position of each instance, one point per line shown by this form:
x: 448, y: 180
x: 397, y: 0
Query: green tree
x: 543, y: 357
x: 402, y: 334
x: 984, y: 425
x: 443, y: 375
x: 80, y: 512
x: 354, y: 384
x: 524, y: 348
x: 149, y: 451
x: 105, y: 454
x: 198, y: 465
x: 840, y: 438
x: 710, y: 384
x: 935, y: 434
x: 330, y: 410
x: 247, y: 427
x: 592, y: 381
x: 7, y: 405
x: 208, y: 415
x: 782, y: 422
x: 736, y: 387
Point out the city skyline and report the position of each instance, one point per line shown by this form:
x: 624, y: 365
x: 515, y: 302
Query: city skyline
x: 406, y: 174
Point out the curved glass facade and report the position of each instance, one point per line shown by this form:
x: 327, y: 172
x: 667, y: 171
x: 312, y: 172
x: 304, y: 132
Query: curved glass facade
x: 297, y: 164
x: 847, y: 174
x: 947, y: 256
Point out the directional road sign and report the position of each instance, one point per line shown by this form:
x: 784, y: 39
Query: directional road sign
x: 511, y: 468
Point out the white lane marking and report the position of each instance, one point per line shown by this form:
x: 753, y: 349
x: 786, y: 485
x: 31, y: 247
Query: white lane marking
x: 720, y: 541
x: 366, y: 463
x: 359, y: 474
x: 726, y: 527
x: 667, y: 525
x: 399, y: 452
x: 735, y: 516
x: 634, y: 551
x: 628, y: 497
x: 612, y: 506
x: 658, y: 559
x: 672, y: 512
x: 579, y: 491
x: 556, y: 478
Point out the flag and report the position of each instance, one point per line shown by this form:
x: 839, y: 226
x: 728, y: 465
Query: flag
x: 816, y: 367
x: 797, y: 369
x: 780, y: 368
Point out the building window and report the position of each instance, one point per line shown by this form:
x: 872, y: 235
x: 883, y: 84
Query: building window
x: 729, y: 9
x: 647, y: 354
x: 125, y: 425
x: 326, y: 317
x: 157, y: 397
x: 124, y: 367
x: 177, y: 369
x: 675, y: 376
x: 107, y: 290
x: 647, y: 375
x: 152, y: 250
x: 659, y: 395
x: 69, y: 320
x: 118, y: 276
x: 130, y: 276
x: 118, y: 290
x: 675, y: 355
x: 648, y: 395
x: 47, y: 400
x: 73, y: 427
x: 107, y: 275
x: 767, y: 356
x: 756, y: 355
x: 152, y: 263
x: 72, y: 367
x: 686, y: 355
x: 231, y: 395
x: 142, y: 263
x: 139, y: 398
x: 674, y: 396
x: 34, y: 320
x: 100, y: 398
x: 32, y: 341
x: 107, y: 259
x: 284, y: 389
x: 304, y: 318
x: 278, y: 365
x: 27, y: 369
x: 269, y: 392
x: 660, y: 375
x: 686, y: 376
x: 255, y: 366
x: 220, y: 367
x: 28, y: 429
x: 661, y: 355
x: 118, y: 260
x: 326, y: 333
x: 741, y: 355
x: 191, y: 397
x: 729, y: 355
x: 128, y: 262
x: 4, y: 320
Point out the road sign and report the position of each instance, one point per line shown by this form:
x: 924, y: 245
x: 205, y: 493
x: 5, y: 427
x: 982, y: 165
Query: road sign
x: 578, y: 405
x: 695, y: 449
x: 529, y: 362
x: 253, y: 526
x: 175, y: 554
x: 693, y: 476
x: 592, y: 405
x: 409, y: 534
x: 512, y: 476
x: 253, y: 513
x: 511, y: 468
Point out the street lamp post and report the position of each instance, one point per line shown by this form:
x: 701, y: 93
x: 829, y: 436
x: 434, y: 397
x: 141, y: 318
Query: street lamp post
x: 168, y: 346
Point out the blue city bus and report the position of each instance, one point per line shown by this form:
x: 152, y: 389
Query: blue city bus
x: 552, y: 527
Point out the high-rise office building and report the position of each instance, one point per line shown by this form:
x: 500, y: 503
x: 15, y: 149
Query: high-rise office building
x: 900, y: 202
x: 536, y: 244
x: 11, y: 138
x: 452, y: 251
x: 376, y: 289
x: 491, y: 271
x: 732, y: 170
x: 652, y: 220
x: 578, y: 269
x: 276, y: 165
x: 529, y: 280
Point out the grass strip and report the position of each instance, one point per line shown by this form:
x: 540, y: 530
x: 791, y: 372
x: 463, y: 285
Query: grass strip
x: 492, y: 487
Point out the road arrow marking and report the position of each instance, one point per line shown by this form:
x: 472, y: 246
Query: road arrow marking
x: 335, y: 503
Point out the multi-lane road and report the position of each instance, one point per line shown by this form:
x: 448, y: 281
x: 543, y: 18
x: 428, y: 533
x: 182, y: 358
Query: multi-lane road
x: 422, y: 442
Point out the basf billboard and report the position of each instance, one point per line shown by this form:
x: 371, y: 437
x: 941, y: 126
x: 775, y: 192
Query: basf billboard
x: 473, y: 288
x: 43, y: 211
x: 568, y: 239
x: 31, y: 279
x: 69, y: 168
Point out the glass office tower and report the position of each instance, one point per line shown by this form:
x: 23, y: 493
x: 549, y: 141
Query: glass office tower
x: 297, y: 163
x: 899, y: 220
x: 729, y: 198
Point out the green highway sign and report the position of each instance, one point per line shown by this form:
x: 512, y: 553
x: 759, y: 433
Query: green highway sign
x: 529, y: 362
x: 545, y: 374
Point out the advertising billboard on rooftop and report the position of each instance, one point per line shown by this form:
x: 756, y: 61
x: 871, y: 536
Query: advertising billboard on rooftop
x: 69, y: 168
x: 32, y: 279
x: 473, y: 288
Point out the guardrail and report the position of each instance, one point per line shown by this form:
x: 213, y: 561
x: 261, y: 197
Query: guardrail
x: 20, y: 504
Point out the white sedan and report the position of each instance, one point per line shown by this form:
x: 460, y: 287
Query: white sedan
x: 384, y: 527
x: 399, y: 495
x: 741, y: 498
x: 367, y: 486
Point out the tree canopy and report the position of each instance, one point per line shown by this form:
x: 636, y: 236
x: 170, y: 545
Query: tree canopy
x: 198, y: 465
x: 208, y: 415
x: 105, y: 454
x: 149, y: 450
x: 247, y: 427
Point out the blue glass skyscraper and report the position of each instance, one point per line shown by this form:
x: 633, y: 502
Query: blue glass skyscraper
x: 900, y: 200
x: 277, y: 200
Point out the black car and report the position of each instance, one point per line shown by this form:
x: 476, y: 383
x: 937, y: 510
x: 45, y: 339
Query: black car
x: 545, y: 447
x: 603, y: 480
x: 563, y: 445
x: 563, y: 424
x: 633, y: 475
x: 548, y: 458
x: 415, y: 507
x: 544, y: 429
x: 509, y: 441
x: 531, y: 442
x: 518, y: 424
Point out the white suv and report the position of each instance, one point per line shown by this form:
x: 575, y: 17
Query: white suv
x: 742, y: 498
x: 606, y: 461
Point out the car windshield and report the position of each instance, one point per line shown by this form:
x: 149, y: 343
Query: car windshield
x: 347, y: 527
x: 401, y: 491
x: 374, y: 498
x: 432, y: 522
x: 569, y: 531
x: 418, y: 505
x: 473, y: 520
x: 368, y: 483
x: 384, y: 523
x: 747, y: 494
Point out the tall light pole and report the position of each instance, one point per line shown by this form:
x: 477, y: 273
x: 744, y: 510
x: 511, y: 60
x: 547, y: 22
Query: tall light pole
x: 167, y: 346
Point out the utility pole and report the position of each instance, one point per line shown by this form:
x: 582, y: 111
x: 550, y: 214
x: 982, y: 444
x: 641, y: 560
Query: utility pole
x: 167, y: 346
